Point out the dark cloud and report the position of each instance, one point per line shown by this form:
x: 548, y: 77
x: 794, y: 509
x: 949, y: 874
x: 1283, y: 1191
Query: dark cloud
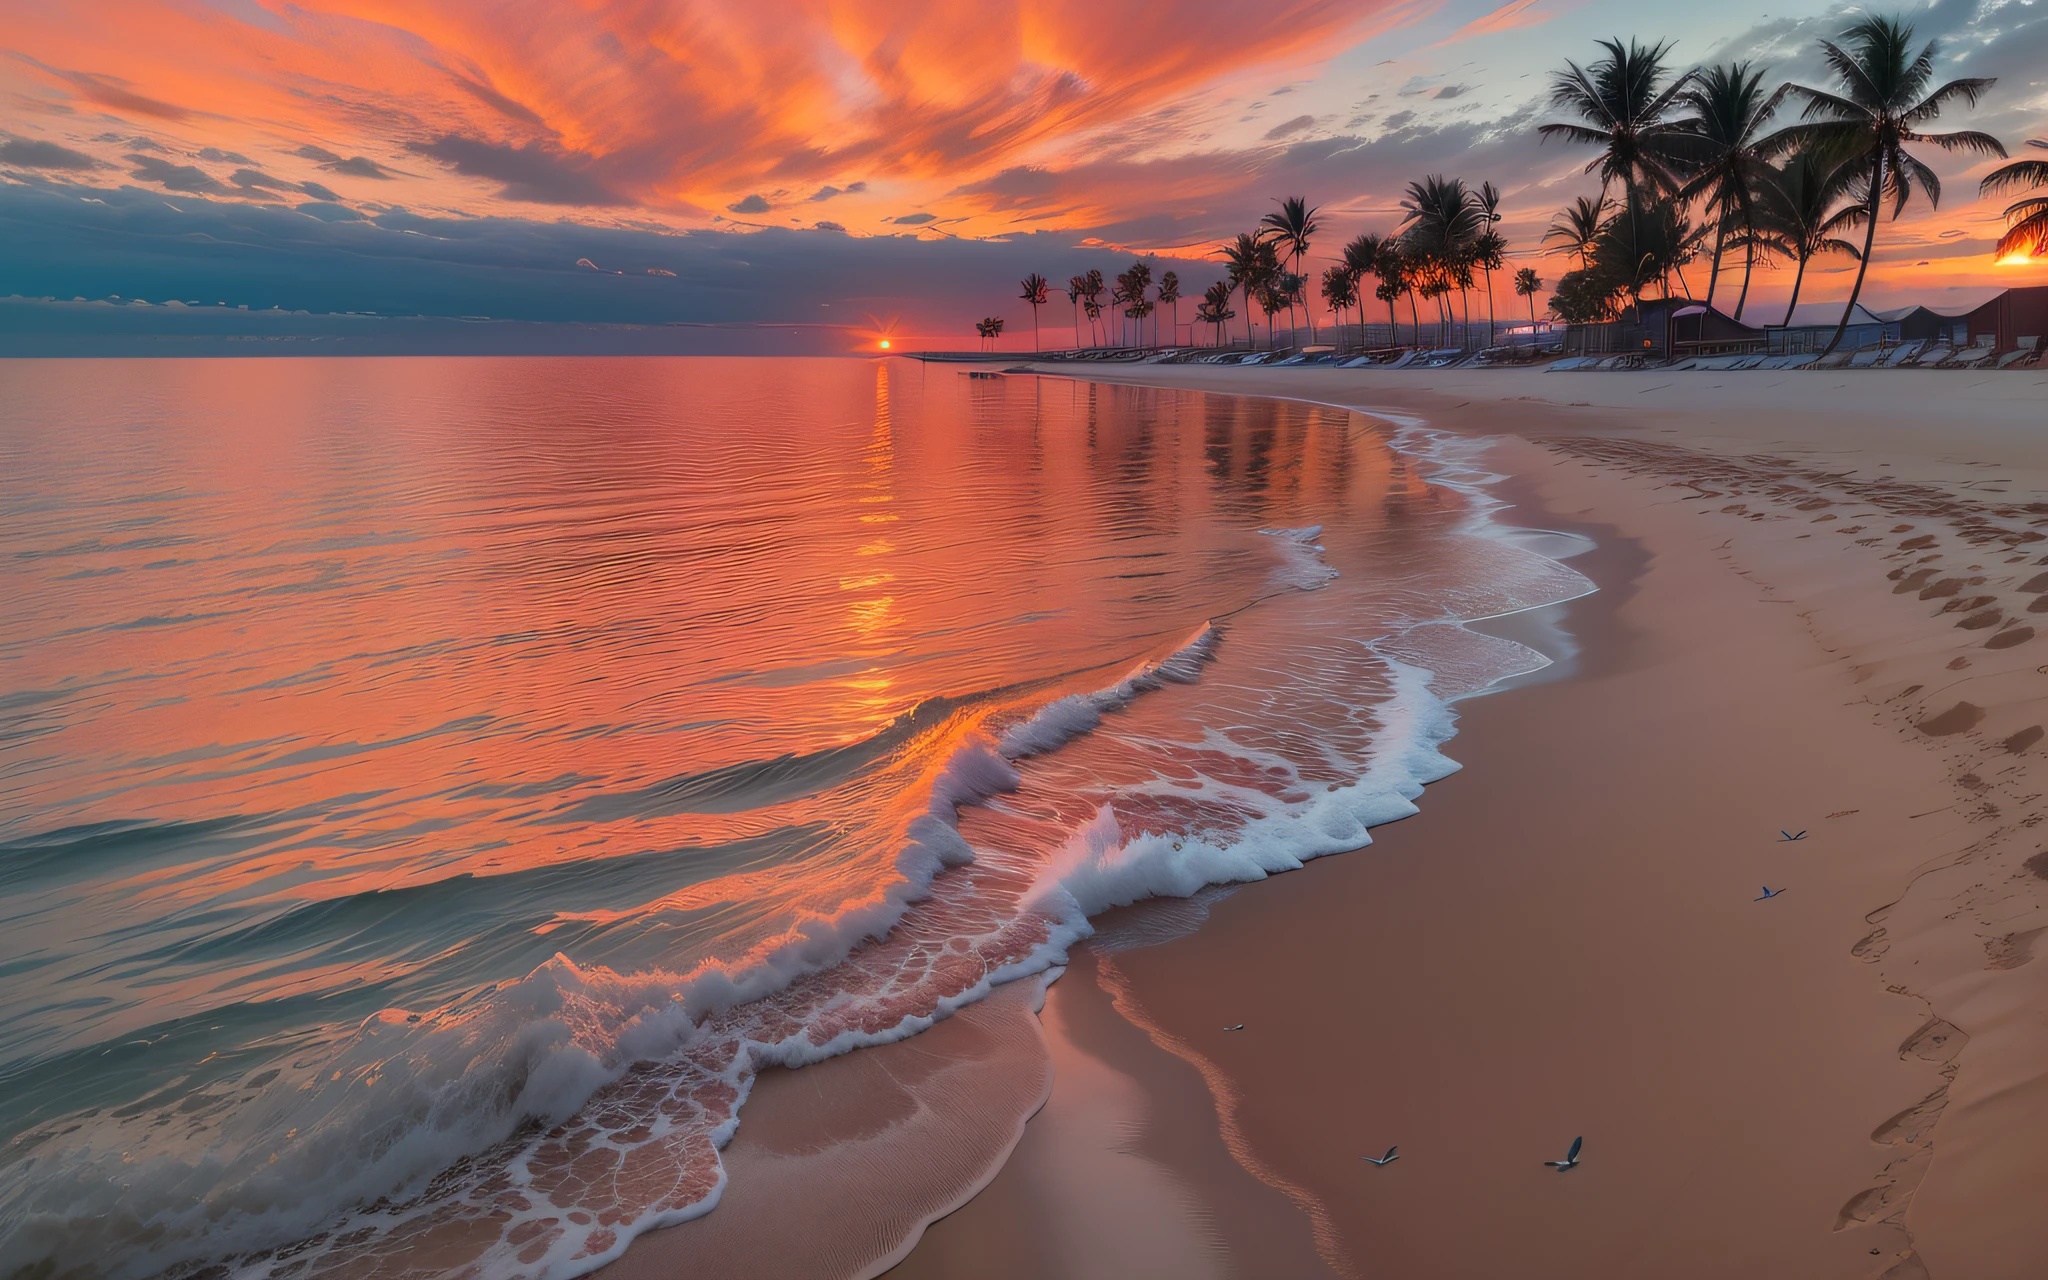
x: 752, y: 204
x: 34, y: 153
x: 139, y: 144
x: 499, y: 102
x: 112, y: 92
x: 177, y: 177
x: 218, y: 156
x: 915, y: 219
x: 257, y: 180
x: 826, y: 193
x: 1014, y: 188
x: 828, y: 226
x: 537, y: 173
x: 516, y: 270
x: 1291, y: 127
x: 319, y: 192
x: 353, y: 166
x: 1450, y: 91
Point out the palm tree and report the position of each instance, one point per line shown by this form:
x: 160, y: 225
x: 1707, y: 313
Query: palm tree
x: 1389, y: 291
x: 1797, y: 213
x: 1489, y: 254
x: 2026, y: 229
x: 1169, y: 293
x: 1077, y: 287
x: 1290, y: 229
x: 1272, y: 301
x: 1340, y: 290
x: 1244, y: 258
x: 1092, y: 286
x: 1881, y: 106
x: 1576, y: 226
x: 1362, y: 258
x: 1442, y: 224
x: 1730, y: 109
x: 1035, y: 287
x: 1624, y: 107
x: 1216, y: 299
x: 1529, y: 284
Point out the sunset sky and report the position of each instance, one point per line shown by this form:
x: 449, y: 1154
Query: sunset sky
x: 833, y: 162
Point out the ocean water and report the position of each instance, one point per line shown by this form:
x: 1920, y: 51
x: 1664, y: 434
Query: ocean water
x: 431, y: 789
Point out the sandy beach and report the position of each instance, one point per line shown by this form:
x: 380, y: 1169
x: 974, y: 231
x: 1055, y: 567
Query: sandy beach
x: 1816, y: 608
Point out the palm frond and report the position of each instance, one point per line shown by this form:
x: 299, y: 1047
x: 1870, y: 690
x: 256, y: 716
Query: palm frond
x: 1968, y: 140
x: 1970, y: 91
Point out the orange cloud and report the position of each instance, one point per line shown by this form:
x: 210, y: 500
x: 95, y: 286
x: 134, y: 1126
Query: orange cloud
x: 679, y: 106
x: 1514, y: 14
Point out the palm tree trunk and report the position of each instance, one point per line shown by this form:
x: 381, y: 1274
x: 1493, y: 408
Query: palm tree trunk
x: 1489, y: 306
x: 1714, y: 272
x: 1797, y: 277
x: 1034, y: 326
x: 1415, y: 317
x: 1748, y: 265
x: 1869, y: 241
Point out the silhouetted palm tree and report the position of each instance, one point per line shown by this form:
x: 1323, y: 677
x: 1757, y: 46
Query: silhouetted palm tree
x: 1091, y: 295
x: 1729, y: 111
x: 1882, y: 104
x: 1361, y: 259
x: 1623, y: 105
x: 1443, y: 221
x: 1076, y: 287
x: 1340, y: 290
x: 1576, y: 226
x: 1216, y: 300
x: 1529, y: 284
x: 1244, y: 258
x: 1169, y: 293
x: 2026, y: 220
x: 1035, y: 287
x: 1797, y: 213
x: 1489, y: 247
x: 1290, y: 229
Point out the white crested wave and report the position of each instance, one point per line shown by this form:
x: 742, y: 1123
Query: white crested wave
x: 533, y: 1128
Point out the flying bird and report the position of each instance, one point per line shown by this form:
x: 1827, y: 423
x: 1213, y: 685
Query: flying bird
x: 1386, y: 1159
x: 1238, y: 1027
x: 1768, y: 893
x: 1571, y: 1158
x: 1789, y: 836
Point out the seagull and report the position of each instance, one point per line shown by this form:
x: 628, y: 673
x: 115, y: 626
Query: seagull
x: 1789, y: 836
x: 1571, y: 1158
x: 1768, y: 893
x: 1240, y: 1026
x: 1384, y: 1160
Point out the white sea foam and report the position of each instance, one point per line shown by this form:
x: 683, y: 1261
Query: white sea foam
x: 649, y: 1070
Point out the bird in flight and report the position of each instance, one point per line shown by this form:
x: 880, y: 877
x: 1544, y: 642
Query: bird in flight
x: 1238, y: 1027
x: 1787, y: 835
x: 1386, y: 1159
x: 1571, y: 1158
x: 1769, y: 893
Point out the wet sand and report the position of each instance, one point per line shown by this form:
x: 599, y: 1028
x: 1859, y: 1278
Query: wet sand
x: 1816, y: 614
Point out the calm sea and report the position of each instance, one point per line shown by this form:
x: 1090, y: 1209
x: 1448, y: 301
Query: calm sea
x: 430, y: 789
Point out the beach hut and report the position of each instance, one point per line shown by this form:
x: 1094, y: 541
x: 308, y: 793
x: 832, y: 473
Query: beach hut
x: 2015, y: 320
x: 1813, y: 324
x: 1673, y: 328
x: 1925, y: 324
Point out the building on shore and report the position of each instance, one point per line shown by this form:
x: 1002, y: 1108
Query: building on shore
x: 1813, y: 324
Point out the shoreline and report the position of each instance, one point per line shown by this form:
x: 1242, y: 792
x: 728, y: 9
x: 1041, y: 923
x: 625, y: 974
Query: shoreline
x: 1947, y: 479
x: 1888, y: 1023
